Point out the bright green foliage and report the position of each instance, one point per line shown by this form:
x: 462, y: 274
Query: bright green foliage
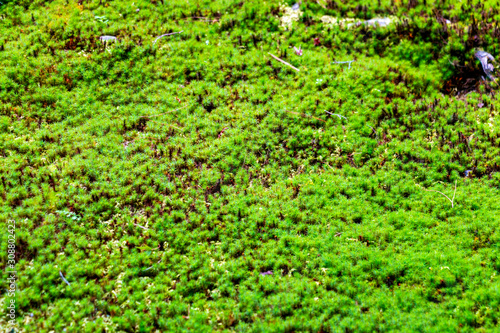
x: 163, y: 180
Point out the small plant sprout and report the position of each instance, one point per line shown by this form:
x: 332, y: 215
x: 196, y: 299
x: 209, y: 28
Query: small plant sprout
x: 298, y: 51
x: 451, y: 200
x: 101, y: 19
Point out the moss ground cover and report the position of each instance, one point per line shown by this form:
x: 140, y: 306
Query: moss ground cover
x: 197, y: 184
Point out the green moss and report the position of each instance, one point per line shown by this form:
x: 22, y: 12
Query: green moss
x: 163, y: 180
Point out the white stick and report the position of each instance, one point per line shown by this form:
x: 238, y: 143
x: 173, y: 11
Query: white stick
x: 284, y: 62
x: 170, y: 34
x: 451, y: 200
x: 344, y: 62
x: 335, y: 114
x: 454, y: 192
x: 62, y: 277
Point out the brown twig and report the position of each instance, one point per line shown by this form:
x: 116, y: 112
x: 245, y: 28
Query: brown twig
x: 284, y: 62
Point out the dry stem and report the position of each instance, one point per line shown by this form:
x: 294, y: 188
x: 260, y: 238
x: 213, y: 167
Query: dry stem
x: 451, y: 200
x: 284, y: 62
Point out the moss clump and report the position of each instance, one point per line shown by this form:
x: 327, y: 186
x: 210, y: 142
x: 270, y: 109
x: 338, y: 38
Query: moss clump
x: 198, y: 184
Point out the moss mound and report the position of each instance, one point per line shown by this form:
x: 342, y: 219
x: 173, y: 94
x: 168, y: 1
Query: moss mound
x: 195, y: 183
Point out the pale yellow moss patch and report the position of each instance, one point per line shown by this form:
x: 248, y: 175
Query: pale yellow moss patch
x: 289, y: 16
